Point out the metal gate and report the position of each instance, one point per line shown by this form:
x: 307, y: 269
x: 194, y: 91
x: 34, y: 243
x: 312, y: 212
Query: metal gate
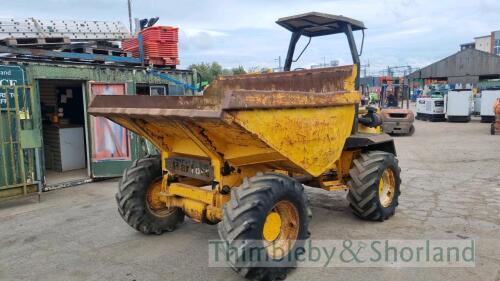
x: 20, y: 142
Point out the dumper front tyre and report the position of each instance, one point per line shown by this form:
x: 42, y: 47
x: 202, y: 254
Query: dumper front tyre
x: 138, y: 202
x: 374, y: 185
x: 264, y: 225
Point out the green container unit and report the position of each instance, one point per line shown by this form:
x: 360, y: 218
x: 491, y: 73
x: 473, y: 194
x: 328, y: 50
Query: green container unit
x: 18, y: 134
x: 21, y: 126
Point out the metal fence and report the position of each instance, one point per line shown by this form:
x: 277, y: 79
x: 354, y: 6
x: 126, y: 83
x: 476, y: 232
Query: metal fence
x: 20, y: 140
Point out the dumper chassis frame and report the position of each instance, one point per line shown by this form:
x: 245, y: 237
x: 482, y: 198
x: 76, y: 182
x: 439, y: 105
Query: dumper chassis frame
x: 187, y: 190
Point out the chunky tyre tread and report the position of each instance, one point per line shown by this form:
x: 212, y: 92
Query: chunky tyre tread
x: 248, y: 208
x: 131, y: 198
x: 363, y: 193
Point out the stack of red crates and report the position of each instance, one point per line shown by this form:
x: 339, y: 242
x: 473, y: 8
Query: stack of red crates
x: 160, y: 45
x: 130, y: 45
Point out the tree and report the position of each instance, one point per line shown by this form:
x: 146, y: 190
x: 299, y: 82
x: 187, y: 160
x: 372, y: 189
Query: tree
x: 227, y: 72
x: 208, y: 71
x: 238, y: 70
x: 254, y: 69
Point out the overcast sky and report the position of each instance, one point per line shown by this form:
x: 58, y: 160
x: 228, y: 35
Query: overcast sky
x: 400, y: 32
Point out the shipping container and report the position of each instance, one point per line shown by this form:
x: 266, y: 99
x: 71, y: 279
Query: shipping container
x: 47, y: 138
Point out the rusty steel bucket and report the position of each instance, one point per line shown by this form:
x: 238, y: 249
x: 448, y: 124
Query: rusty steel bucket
x: 296, y: 121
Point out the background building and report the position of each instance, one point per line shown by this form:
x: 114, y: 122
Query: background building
x: 488, y: 43
x: 495, y: 41
x: 471, y: 45
x: 465, y: 67
x: 483, y: 43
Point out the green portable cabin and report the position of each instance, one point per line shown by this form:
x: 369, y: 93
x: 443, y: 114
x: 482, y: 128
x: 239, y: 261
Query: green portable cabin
x: 47, y: 139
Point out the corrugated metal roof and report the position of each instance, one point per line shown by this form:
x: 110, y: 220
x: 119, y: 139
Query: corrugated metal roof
x: 469, y: 62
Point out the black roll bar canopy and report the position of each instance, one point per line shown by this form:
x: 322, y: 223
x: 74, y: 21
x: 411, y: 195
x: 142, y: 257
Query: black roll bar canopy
x: 315, y: 24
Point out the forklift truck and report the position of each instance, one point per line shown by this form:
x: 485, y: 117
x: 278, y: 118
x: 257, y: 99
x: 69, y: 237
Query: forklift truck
x: 397, y: 119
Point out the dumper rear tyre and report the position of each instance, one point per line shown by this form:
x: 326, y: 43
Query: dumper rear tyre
x: 136, y: 202
x: 374, y: 185
x: 266, y: 222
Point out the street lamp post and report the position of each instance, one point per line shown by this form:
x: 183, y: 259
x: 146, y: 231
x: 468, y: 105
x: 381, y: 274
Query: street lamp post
x: 129, y: 2
x: 279, y: 62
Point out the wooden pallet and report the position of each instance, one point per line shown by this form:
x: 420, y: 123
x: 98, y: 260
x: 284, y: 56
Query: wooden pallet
x: 100, y: 51
x: 36, y: 41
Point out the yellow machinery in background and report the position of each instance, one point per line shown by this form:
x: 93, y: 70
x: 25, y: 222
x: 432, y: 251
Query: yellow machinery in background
x: 238, y: 154
x: 372, y: 120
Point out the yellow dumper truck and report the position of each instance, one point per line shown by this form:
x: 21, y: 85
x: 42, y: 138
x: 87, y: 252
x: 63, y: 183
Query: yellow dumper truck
x: 238, y: 154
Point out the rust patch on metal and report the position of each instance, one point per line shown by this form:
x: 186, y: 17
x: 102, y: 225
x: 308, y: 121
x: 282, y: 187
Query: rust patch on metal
x: 322, y: 80
x: 243, y: 99
x: 305, y: 88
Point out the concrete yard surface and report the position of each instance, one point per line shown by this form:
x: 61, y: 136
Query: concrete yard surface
x: 450, y: 190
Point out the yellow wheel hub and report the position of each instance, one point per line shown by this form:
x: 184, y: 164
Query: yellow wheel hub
x: 281, y: 229
x: 386, y: 188
x: 272, y: 227
x: 155, y: 205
